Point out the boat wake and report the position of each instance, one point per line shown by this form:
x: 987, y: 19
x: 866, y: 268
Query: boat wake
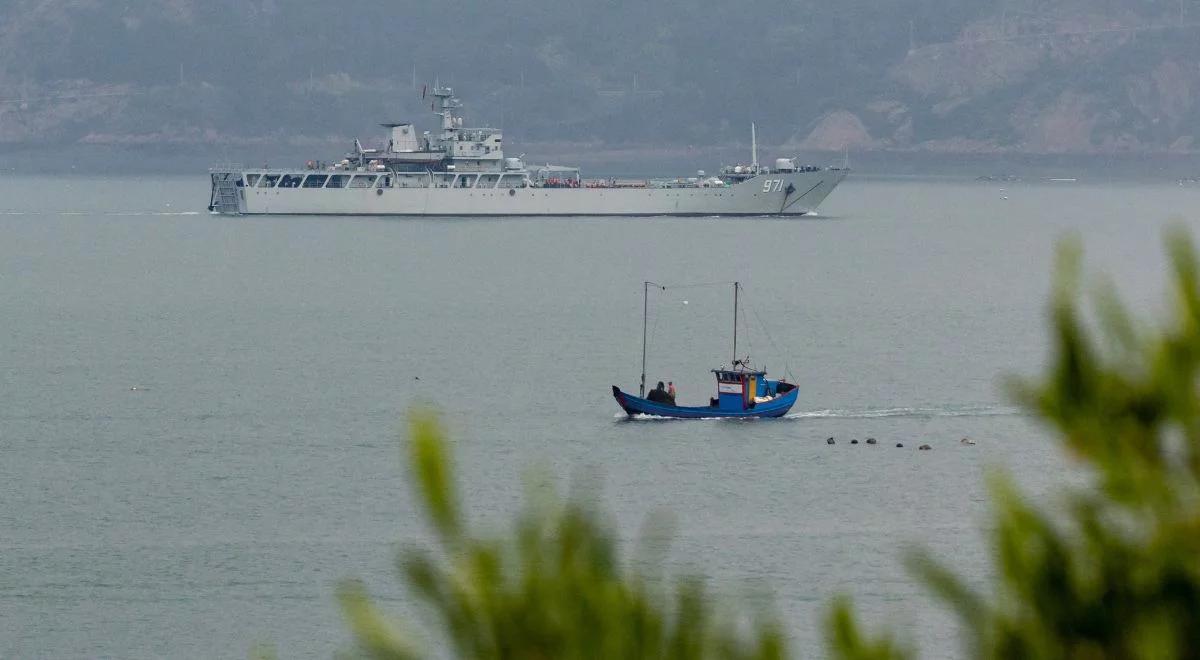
x: 102, y: 213
x: 642, y: 417
x: 919, y: 412
x: 157, y: 213
x: 924, y: 411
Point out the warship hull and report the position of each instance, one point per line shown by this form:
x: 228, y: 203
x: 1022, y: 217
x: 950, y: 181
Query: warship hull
x: 780, y: 193
x: 462, y: 171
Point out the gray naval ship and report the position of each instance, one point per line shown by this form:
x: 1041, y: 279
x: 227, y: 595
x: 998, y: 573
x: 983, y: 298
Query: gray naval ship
x: 463, y: 172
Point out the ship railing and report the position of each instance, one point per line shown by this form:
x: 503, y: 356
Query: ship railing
x: 277, y: 170
x: 615, y: 183
x: 237, y: 167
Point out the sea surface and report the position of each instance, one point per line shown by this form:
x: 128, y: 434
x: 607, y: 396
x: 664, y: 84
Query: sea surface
x: 200, y: 416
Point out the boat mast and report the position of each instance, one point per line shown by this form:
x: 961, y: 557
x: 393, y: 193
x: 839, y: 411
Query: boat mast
x: 735, y: 310
x: 645, y: 315
x: 645, y: 307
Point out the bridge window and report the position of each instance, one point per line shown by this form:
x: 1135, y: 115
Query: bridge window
x: 252, y: 179
x: 337, y: 181
x: 268, y: 181
x: 385, y: 181
x: 362, y: 181
x: 315, y: 180
x: 291, y: 180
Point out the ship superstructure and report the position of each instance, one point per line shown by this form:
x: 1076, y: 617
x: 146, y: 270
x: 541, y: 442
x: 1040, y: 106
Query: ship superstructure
x: 462, y: 171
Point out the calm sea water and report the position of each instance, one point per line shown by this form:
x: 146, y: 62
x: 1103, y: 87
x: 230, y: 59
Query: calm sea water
x: 199, y: 431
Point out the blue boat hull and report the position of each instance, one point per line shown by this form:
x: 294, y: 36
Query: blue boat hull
x: 633, y: 405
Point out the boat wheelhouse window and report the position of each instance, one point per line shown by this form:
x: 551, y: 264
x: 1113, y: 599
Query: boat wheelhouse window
x: 315, y: 180
x: 337, y: 181
x: 268, y: 181
x: 291, y: 180
x: 252, y: 179
x: 385, y: 181
x: 362, y: 181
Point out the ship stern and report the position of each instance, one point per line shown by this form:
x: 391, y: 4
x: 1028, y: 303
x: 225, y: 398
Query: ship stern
x: 226, y: 197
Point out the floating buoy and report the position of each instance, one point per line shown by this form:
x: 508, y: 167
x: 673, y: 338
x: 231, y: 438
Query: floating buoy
x: 854, y: 441
x: 899, y: 444
x: 924, y: 448
x: 967, y: 441
x: 870, y: 441
x: 829, y: 441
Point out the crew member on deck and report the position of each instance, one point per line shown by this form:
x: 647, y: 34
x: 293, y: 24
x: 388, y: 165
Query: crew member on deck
x: 659, y: 395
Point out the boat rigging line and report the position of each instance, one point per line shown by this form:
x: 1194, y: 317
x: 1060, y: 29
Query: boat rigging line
x: 694, y: 285
x: 739, y: 307
x: 646, y: 315
x: 786, y: 356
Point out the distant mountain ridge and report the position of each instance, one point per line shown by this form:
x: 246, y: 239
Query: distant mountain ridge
x: 934, y: 76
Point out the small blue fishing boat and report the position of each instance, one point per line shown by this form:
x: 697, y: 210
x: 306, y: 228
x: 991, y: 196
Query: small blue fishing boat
x: 742, y: 391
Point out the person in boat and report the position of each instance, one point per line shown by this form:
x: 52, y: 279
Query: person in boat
x: 671, y: 391
x: 659, y: 395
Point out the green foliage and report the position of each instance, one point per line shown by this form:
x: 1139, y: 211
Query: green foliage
x: 1114, y: 575
x: 850, y: 643
x: 1118, y: 574
x: 555, y: 588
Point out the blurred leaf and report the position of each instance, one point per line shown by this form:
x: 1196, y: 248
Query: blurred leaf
x: 1117, y: 573
x: 376, y: 637
x: 431, y: 466
x: 554, y: 588
x: 847, y: 642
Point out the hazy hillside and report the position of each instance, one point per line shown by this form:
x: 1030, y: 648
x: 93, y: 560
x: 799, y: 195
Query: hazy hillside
x: 949, y: 76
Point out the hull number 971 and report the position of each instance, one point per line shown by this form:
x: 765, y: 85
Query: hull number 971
x: 772, y: 185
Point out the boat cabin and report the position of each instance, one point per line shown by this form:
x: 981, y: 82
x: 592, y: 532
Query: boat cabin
x: 742, y: 389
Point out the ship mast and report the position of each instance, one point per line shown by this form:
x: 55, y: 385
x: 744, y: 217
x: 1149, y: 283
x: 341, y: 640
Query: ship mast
x: 753, y: 148
x: 444, y: 104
